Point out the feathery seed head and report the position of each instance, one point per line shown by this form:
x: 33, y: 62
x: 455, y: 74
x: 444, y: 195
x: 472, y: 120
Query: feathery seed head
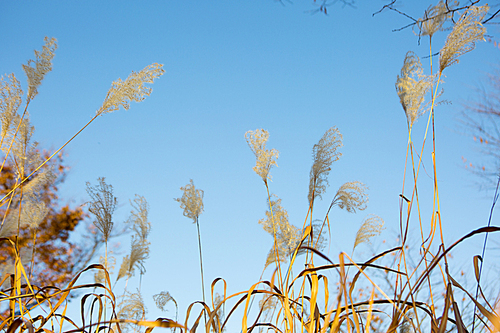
x: 265, y: 158
x: 139, y: 217
x: 372, y: 226
x: 412, y: 86
x: 108, y: 262
x: 324, y: 154
x: 287, y: 235
x: 132, y: 89
x: 10, y: 100
x: 102, y: 206
x: 191, y: 201
x: 463, y: 37
x: 434, y: 18
x: 351, y: 196
x: 132, y: 307
x: 36, y: 69
x: 162, y: 299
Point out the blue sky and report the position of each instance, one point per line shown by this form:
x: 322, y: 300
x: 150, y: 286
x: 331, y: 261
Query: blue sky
x: 230, y: 67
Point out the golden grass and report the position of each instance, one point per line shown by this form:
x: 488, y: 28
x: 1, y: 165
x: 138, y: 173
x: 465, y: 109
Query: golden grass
x: 402, y: 297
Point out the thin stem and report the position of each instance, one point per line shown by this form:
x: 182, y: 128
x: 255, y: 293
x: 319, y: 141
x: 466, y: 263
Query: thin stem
x: 277, y: 256
x: 48, y: 159
x: 201, y: 266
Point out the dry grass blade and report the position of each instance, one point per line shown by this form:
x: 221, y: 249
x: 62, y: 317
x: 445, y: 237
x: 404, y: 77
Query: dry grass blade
x: 492, y: 317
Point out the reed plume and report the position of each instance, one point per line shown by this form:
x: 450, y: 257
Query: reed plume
x: 265, y: 158
x: 463, y: 37
x: 133, y: 88
x: 162, y: 299
x: 372, y: 226
x: 139, y: 253
x: 435, y: 17
x: 139, y: 217
x: 102, y: 206
x: 192, y: 205
x: 37, y: 69
x: 412, y: 86
x: 351, y: 196
x: 324, y: 154
x: 10, y: 100
x: 132, y: 307
x: 287, y: 236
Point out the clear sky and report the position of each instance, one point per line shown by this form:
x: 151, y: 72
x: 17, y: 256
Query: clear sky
x: 230, y: 67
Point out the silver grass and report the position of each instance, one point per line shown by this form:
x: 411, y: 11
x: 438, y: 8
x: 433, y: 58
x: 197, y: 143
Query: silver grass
x: 162, y: 299
x: 412, y: 86
x: 351, y: 196
x: 8, y: 227
x: 191, y: 201
x: 25, y: 151
x: 9, y: 266
x: 37, y: 69
x: 463, y: 37
x: 220, y: 311
x: 324, y: 154
x: 102, y: 206
x: 277, y: 225
x: 33, y: 188
x: 132, y: 307
x: 265, y: 158
x: 435, y: 17
x: 10, y: 100
x: 133, y: 88
x: 139, y: 217
x: 372, y: 226
x: 318, y: 240
x: 124, y: 268
x: 139, y: 253
x: 33, y: 213
x: 109, y: 263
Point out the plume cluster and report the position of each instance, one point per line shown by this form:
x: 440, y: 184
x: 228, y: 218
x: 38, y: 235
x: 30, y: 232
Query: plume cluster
x: 191, y: 201
x: 287, y: 235
x: 265, y: 158
x: 36, y: 69
x: 412, y: 86
x: 132, y: 89
x: 324, y: 154
x: 102, y: 205
x: 462, y: 38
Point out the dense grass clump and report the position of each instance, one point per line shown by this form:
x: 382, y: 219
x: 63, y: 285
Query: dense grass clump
x: 391, y: 291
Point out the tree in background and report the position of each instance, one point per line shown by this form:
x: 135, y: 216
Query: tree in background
x: 56, y: 256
